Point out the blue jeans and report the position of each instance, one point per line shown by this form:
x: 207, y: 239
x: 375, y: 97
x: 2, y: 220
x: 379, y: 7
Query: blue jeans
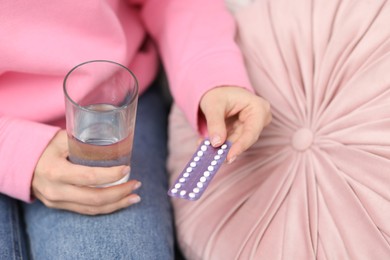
x: 142, y: 231
x: 12, y: 234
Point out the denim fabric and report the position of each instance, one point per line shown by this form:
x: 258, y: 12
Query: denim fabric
x: 142, y: 231
x: 12, y: 238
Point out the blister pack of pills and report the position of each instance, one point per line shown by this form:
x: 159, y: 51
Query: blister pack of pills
x: 199, y: 171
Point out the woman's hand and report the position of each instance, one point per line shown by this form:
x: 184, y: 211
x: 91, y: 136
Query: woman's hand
x: 235, y: 114
x: 60, y: 184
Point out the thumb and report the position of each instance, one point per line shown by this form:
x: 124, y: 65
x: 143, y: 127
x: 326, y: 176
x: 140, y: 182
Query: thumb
x: 215, y: 121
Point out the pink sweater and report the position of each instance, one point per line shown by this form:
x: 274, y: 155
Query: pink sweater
x: 40, y: 41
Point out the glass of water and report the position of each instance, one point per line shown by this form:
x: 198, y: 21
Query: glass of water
x: 101, y: 104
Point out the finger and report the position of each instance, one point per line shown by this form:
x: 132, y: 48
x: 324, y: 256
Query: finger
x: 89, y: 196
x: 245, y: 135
x: 216, y: 127
x: 242, y: 142
x: 91, y: 176
x: 101, y: 196
x: 95, y: 210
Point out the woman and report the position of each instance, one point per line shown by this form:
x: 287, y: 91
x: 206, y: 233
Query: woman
x: 40, y: 42
x: 316, y: 184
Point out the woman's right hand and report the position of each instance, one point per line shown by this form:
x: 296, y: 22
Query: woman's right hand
x: 62, y: 185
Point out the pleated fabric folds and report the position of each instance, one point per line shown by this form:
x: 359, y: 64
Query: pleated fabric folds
x: 316, y: 185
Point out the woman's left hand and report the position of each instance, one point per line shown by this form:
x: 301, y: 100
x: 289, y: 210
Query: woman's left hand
x: 235, y: 114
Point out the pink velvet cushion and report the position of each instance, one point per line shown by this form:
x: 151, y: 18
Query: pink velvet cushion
x: 317, y: 183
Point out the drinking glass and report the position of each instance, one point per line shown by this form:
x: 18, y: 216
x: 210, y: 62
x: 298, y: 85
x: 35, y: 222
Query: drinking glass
x: 101, y: 102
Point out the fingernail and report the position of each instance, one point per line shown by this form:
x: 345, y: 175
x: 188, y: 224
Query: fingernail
x: 232, y: 159
x: 126, y: 170
x: 137, y: 185
x: 134, y: 199
x: 216, y: 140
